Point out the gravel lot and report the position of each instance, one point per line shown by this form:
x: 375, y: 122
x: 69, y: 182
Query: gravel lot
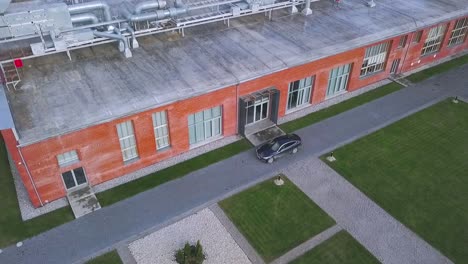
x: 218, y: 245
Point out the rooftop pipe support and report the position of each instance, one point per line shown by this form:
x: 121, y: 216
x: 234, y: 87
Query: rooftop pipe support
x: 123, y: 44
x: 90, y: 6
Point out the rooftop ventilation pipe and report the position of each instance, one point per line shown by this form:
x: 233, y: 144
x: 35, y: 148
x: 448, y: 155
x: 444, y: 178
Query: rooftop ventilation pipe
x: 180, y: 9
x: 90, y: 6
x: 123, y: 44
x: 158, y: 4
x: 4, y: 5
x: 88, y: 18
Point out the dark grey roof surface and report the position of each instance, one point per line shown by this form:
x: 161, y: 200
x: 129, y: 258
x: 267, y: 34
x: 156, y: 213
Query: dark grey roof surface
x: 99, y: 84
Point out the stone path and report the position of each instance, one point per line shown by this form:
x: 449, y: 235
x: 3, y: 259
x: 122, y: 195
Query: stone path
x: 308, y: 245
x: 386, y: 238
x: 79, y: 240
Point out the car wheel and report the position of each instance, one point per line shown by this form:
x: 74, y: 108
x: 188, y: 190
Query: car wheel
x: 294, y: 151
x: 270, y: 160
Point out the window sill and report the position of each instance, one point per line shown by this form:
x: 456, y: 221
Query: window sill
x: 163, y: 149
x: 205, y: 142
x: 429, y: 54
x: 335, y: 95
x: 130, y: 161
x: 371, y: 74
x: 298, y: 108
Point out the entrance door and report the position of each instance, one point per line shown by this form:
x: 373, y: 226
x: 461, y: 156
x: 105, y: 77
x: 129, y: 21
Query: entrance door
x: 74, y: 178
x: 257, y: 110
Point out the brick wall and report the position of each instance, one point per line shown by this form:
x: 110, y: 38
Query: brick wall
x: 98, y: 146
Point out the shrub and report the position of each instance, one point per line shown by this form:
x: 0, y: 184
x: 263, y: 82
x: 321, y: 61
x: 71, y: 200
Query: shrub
x: 190, y: 254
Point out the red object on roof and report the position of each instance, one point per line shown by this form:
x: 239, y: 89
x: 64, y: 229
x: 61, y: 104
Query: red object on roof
x: 18, y: 63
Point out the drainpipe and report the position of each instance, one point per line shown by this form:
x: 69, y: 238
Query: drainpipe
x: 123, y: 45
x: 29, y: 175
x: 88, y: 18
x: 90, y: 6
x: 158, y: 4
x: 406, y: 53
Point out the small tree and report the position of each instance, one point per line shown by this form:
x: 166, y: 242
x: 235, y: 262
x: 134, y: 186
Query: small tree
x: 190, y: 254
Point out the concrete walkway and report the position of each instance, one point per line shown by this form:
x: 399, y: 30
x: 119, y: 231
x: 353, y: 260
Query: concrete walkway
x: 94, y: 233
x: 386, y: 238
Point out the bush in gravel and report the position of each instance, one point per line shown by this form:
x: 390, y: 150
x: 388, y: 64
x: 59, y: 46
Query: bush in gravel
x: 190, y: 254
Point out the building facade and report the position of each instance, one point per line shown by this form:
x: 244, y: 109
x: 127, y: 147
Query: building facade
x: 98, y: 153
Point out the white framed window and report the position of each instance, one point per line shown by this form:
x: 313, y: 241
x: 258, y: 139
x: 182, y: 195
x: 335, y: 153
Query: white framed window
x: 402, y: 42
x: 127, y: 140
x: 459, y: 32
x: 67, y: 158
x: 74, y: 178
x: 204, y: 125
x: 338, y: 80
x: 299, y: 92
x: 374, y: 59
x: 433, y: 40
x: 161, y: 131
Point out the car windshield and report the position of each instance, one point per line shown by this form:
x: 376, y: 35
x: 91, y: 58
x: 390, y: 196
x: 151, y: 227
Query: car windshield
x: 273, y: 145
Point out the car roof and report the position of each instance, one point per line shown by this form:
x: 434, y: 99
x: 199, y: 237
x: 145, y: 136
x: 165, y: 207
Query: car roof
x: 284, y: 138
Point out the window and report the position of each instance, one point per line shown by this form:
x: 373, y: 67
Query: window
x: 67, y: 158
x: 338, y: 80
x: 299, y: 92
x: 74, y: 178
x: 204, y: 125
x: 257, y: 109
x: 402, y: 41
x: 161, y: 132
x: 459, y: 32
x: 433, y: 40
x: 417, y: 36
x: 395, y: 65
x: 374, y: 60
x: 127, y: 140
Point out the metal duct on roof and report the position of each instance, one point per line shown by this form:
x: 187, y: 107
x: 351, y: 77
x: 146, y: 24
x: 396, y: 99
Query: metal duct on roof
x: 4, y: 5
x: 90, y: 6
x: 88, y: 18
x: 158, y: 4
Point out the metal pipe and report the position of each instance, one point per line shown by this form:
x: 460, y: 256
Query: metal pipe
x: 90, y: 6
x: 4, y: 5
x: 128, y: 28
x: 156, y: 15
x: 88, y: 18
x: 157, y: 4
x: 30, y: 176
x: 123, y: 45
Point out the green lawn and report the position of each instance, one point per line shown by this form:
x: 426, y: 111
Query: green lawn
x: 275, y: 219
x: 12, y: 227
x: 108, y: 258
x: 340, y: 248
x: 154, y: 179
x: 443, y: 67
x: 340, y: 108
x: 417, y: 170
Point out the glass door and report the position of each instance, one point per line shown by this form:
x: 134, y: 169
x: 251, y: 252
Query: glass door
x: 257, y: 110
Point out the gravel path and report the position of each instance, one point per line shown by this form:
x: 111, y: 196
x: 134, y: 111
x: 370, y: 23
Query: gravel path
x: 219, y: 247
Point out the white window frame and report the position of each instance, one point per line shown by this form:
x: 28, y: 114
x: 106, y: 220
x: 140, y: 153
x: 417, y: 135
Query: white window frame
x: 434, y: 40
x: 74, y: 179
x: 459, y: 31
x: 67, y: 158
x: 127, y: 140
x: 375, y: 59
x: 161, y: 130
x: 338, y: 80
x: 205, y: 128
x: 304, y: 91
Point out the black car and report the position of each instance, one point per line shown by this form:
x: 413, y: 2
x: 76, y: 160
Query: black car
x: 277, y: 147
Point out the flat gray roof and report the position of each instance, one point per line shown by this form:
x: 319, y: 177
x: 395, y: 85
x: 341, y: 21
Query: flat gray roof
x: 99, y: 84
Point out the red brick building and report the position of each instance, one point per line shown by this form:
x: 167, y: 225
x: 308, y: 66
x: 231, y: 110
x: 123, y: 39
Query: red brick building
x: 92, y: 152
